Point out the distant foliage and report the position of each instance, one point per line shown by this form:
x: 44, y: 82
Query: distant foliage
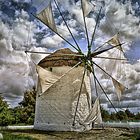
x: 22, y: 114
x: 105, y: 114
x: 120, y: 115
x: 27, y: 107
x: 6, y: 116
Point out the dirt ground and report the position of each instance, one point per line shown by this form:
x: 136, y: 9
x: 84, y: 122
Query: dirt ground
x: 95, y: 134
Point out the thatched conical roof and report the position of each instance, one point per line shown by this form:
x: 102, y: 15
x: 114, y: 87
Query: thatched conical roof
x: 58, y: 59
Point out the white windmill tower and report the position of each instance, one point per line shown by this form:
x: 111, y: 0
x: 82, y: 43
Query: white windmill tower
x: 63, y: 100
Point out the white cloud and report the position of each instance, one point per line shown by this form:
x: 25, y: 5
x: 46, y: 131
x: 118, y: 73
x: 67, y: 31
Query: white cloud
x: 23, y: 1
x: 122, y: 18
x: 23, y: 32
x: 15, y: 72
x: 21, y: 36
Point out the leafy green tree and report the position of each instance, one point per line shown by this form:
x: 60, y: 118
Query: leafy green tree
x: 24, y: 113
x: 6, y: 117
x: 122, y: 116
x: 137, y: 116
x: 113, y: 116
x: 3, y: 104
x: 17, y: 111
x: 129, y: 114
x: 105, y: 114
x: 27, y: 107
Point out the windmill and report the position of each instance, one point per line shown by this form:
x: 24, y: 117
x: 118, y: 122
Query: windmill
x: 63, y: 100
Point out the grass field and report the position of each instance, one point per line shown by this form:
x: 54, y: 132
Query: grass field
x: 95, y: 134
x: 10, y: 136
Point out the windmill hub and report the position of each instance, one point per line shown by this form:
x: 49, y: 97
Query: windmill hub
x: 87, y: 57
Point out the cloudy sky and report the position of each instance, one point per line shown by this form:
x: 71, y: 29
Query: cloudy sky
x: 20, y: 31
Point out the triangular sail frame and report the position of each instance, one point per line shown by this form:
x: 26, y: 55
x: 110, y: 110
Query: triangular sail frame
x: 95, y: 114
x: 115, y: 41
x: 46, y: 16
x: 87, y: 7
x: 120, y: 88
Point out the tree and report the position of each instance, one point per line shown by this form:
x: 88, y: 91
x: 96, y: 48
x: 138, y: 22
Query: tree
x: 121, y: 115
x: 6, y: 117
x: 105, y: 114
x: 24, y: 113
x: 113, y: 116
x: 27, y: 107
x: 137, y: 116
x: 129, y: 114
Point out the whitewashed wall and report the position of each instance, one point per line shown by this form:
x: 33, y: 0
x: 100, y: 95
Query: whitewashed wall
x: 55, y: 108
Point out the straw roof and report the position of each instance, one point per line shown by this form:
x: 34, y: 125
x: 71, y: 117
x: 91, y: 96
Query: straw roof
x: 58, y: 59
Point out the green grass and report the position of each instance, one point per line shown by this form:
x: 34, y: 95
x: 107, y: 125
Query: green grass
x: 137, y: 134
x: 9, y: 136
x: 106, y: 134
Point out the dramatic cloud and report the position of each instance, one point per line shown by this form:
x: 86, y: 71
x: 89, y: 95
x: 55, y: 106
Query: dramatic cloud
x: 19, y: 32
x: 15, y: 69
x: 121, y: 17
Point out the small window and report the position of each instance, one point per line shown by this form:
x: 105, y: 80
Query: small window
x: 51, y: 69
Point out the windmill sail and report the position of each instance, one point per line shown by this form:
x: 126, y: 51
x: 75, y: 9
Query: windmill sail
x: 87, y: 7
x: 46, y: 78
x: 95, y: 114
x: 114, y: 41
x: 46, y: 16
x: 119, y: 88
